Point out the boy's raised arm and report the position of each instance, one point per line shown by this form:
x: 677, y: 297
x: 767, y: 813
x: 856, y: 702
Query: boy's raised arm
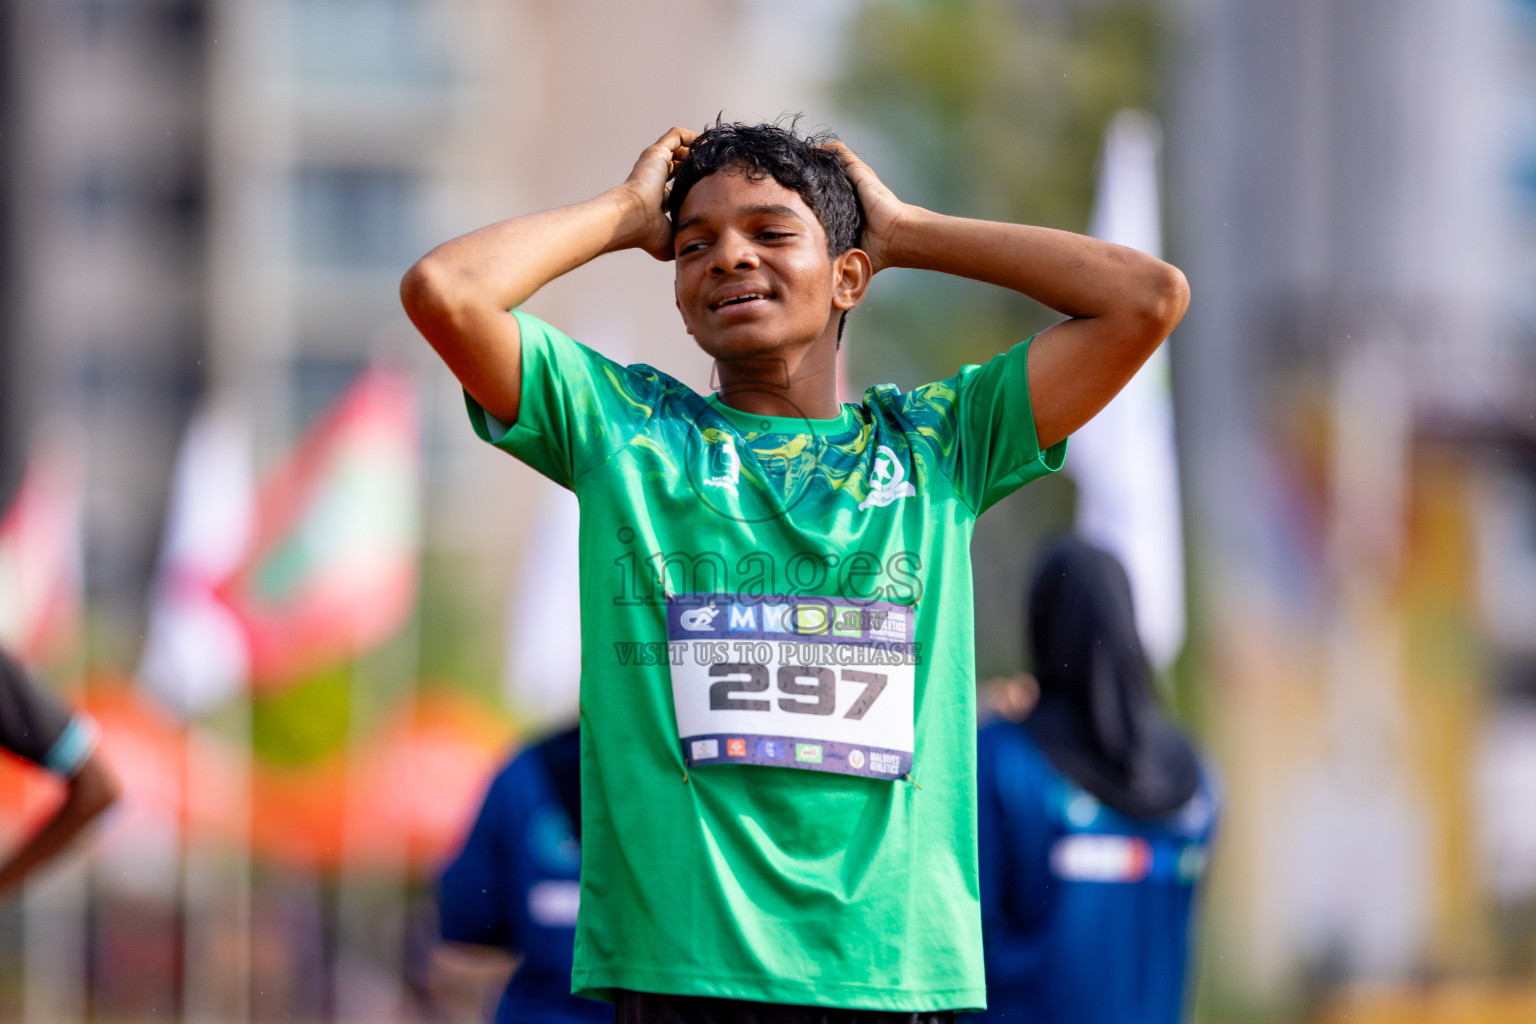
x: 460, y: 294
x: 1122, y: 303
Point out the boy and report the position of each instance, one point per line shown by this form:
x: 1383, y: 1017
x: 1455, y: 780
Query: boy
x: 778, y: 777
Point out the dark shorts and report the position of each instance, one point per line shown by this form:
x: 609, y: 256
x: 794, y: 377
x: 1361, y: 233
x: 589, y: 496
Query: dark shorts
x: 652, y: 1008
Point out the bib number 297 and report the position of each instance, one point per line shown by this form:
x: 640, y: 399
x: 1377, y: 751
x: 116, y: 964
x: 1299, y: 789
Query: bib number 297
x: 810, y: 690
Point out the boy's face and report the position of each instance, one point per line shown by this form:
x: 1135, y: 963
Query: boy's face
x: 753, y: 274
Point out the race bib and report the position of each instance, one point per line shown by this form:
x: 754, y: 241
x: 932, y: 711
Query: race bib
x: 793, y: 681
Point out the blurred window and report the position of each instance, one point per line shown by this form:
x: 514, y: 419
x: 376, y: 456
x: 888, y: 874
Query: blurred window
x: 180, y: 22
x: 370, y: 40
x: 93, y: 22
x: 100, y: 191
x: 89, y: 20
x: 354, y: 216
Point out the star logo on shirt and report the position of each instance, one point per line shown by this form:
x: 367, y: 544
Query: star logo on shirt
x: 887, y: 480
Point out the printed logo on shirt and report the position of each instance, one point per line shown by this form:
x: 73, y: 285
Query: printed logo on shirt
x: 723, y: 467
x: 706, y: 750
x: 773, y: 749
x: 809, y: 753
x: 736, y: 748
x: 887, y: 480
x: 1100, y: 858
x: 856, y: 759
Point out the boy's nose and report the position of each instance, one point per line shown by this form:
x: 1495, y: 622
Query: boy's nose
x: 733, y: 252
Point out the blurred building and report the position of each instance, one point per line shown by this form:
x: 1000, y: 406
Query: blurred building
x: 214, y: 200
x: 105, y: 248
x: 1355, y: 206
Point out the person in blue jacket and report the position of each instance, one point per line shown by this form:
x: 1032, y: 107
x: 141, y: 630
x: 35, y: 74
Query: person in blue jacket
x: 1095, y: 817
x: 515, y: 883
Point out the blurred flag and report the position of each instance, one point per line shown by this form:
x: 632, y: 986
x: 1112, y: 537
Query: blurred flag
x: 1124, y: 459
x: 196, y: 655
x: 40, y: 556
x: 332, y: 571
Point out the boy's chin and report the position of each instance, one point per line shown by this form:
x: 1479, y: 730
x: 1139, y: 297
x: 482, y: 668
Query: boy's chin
x: 757, y: 344
x: 745, y: 346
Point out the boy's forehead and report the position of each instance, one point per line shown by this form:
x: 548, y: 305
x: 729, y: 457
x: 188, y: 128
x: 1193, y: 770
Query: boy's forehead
x: 730, y: 192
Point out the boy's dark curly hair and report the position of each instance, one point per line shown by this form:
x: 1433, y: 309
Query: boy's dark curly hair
x: 793, y: 160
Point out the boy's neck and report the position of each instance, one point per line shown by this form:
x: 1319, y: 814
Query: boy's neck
x: 775, y: 387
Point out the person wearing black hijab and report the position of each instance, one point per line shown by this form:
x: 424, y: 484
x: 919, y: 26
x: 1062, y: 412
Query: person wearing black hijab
x: 1095, y: 818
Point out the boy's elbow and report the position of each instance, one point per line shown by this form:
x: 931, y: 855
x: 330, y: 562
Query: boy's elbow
x: 1164, y: 301
x: 425, y: 289
x: 1172, y: 297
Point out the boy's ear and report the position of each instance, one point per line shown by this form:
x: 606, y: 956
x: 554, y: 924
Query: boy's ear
x: 851, y: 275
x: 679, y: 304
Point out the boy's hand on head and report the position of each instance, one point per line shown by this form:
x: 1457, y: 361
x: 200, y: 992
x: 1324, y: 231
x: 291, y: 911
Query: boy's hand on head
x: 883, y: 212
x: 647, y: 182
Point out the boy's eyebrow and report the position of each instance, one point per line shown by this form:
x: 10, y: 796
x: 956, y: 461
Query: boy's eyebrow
x: 768, y: 209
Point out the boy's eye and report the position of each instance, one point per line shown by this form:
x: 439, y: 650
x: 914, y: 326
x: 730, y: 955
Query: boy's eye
x: 688, y: 247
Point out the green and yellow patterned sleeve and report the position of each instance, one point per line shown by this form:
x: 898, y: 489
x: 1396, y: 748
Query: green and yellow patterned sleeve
x: 983, y: 428
x: 578, y: 407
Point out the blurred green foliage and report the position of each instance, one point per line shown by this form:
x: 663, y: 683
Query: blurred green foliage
x: 305, y: 722
x: 462, y: 625
x: 985, y: 108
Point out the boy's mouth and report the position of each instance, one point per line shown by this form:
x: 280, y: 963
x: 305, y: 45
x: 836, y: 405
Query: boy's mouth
x: 737, y: 297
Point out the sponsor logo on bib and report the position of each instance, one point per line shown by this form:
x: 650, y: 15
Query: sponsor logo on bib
x: 699, y: 619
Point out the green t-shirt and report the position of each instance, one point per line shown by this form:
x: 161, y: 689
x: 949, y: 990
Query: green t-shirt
x: 813, y: 841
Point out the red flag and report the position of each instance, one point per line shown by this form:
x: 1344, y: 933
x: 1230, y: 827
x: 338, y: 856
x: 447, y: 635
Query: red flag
x: 40, y: 573
x: 333, y: 569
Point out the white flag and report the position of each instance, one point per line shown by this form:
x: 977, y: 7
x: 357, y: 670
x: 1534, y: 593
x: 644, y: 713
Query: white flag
x: 1124, y: 460
x: 544, y: 625
x: 196, y: 653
